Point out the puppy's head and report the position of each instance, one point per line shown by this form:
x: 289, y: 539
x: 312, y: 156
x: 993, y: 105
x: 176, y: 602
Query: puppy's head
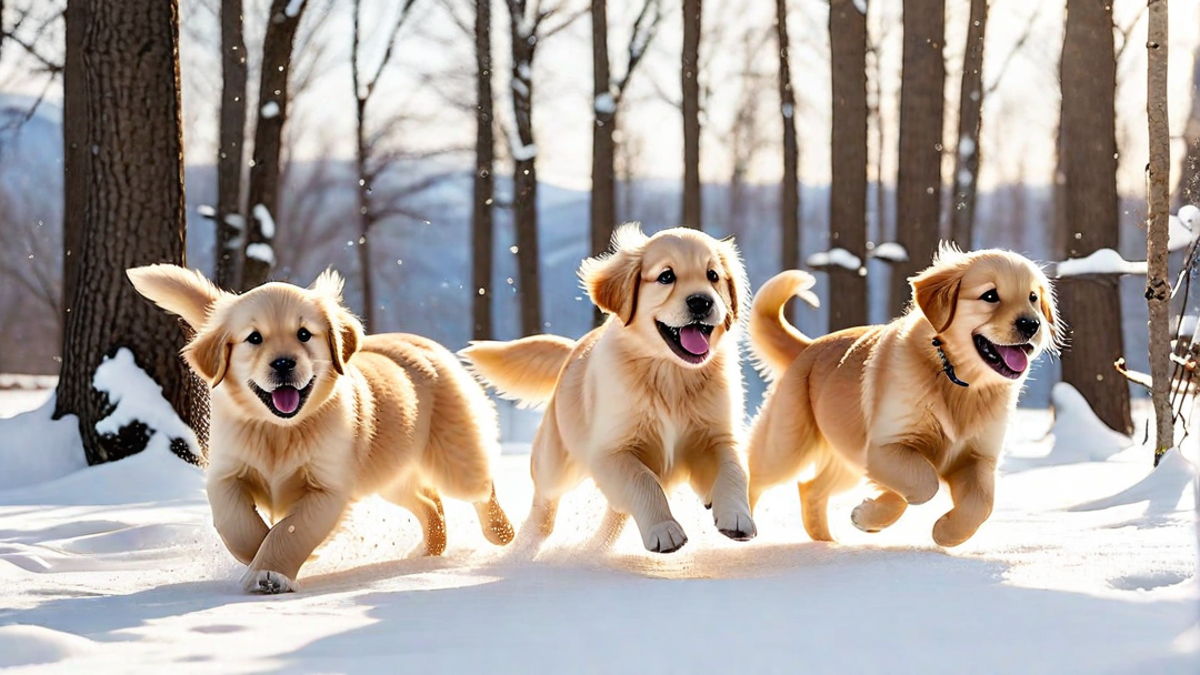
x: 679, y: 291
x: 277, y: 350
x: 993, y: 309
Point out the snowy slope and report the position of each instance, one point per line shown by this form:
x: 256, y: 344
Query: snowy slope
x: 117, y: 569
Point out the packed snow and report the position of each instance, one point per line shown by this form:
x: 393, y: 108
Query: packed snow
x: 1077, y: 434
x: 116, y: 568
x: 261, y: 252
x: 1102, y: 261
x: 136, y: 397
x: 890, y: 251
x: 838, y: 256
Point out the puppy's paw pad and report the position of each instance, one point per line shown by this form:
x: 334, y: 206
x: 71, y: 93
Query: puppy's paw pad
x: 922, y: 493
x: 860, y: 519
x: 266, y: 582
x: 665, y: 537
x: 736, y: 526
x: 948, y: 534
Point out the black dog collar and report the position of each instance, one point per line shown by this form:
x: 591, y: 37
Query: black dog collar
x: 947, y: 367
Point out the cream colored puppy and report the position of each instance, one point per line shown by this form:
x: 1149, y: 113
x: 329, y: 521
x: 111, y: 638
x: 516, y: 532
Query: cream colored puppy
x: 651, y: 398
x: 923, y: 399
x: 309, y: 415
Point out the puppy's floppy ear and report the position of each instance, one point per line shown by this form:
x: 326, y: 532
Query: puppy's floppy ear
x: 178, y: 290
x: 209, y: 354
x: 329, y: 284
x: 935, y: 290
x: 735, y: 279
x: 344, y: 337
x: 613, y: 280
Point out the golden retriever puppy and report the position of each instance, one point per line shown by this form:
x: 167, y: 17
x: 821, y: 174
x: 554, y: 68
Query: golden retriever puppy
x: 923, y: 399
x: 309, y: 415
x: 651, y: 398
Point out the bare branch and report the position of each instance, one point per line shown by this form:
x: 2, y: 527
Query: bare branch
x: 1008, y: 59
x: 645, y: 27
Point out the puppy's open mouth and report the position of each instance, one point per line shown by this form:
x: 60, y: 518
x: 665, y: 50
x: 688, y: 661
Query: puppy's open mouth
x: 285, y: 400
x: 689, y: 342
x: 1011, y: 361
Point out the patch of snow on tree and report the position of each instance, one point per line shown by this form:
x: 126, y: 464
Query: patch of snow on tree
x: 293, y: 8
x: 838, y: 256
x: 1184, y: 228
x: 270, y: 110
x: 606, y: 104
x: 35, y: 447
x: 890, y: 251
x: 1080, y: 436
x: 525, y: 72
x: 1162, y: 490
x: 966, y: 147
x: 787, y: 109
x: 235, y: 220
x: 206, y: 210
x: 1103, y: 261
x: 861, y: 6
x: 520, y: 88
x: 266, y: 223
x: 138, y: 398
x: 262, y: 253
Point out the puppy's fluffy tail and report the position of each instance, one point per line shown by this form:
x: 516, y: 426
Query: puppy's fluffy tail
x: 525, y: 370
x: 774, y: 341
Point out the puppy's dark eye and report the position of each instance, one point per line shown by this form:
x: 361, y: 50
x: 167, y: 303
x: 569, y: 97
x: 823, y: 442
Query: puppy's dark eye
x: 1033, y: 297
x: 303, y: 335
x: 991, y: 296
x: 667, y: 277
x: 254, y: 338
x: 713, y: 276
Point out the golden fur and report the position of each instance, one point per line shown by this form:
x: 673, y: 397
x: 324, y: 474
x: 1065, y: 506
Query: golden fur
x: 625, y: 406
x: 873, y: 401
x: 395, y: 415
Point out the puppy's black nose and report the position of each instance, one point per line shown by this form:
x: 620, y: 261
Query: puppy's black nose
x: 283, y: 364
x: 1028, y: 327
x: 699, y: 304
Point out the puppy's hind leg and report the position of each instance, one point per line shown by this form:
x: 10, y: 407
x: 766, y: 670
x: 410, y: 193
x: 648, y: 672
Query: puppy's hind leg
x: 832, y: 477
x: 554, y: 473
x: 878, y: 512
x: 493, y: 520
x: 424, y: 503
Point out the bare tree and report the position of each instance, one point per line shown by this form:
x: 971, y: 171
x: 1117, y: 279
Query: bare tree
x: 1089, y: 209
x: 970, y: 104
x: 230, y: 223
x: 746, y: 136
x: 789, y: 202
x: 919, y: 179
x: 1158, y: 288
x: 529, y: 26
x: 848, y: 185
x: 124, y: 207
x: 693, y: 212
x: 369, y: 162
x: 482, y: 227
x: 273, y: 100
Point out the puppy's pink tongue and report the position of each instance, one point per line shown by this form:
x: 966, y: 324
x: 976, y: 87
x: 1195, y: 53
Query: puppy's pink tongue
x: 693, y: 339
x: 286, y: 399
x: 1014, y: 358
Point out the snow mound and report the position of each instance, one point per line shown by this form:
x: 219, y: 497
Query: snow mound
x: 138, y: 398
x: 1163, y: 488
x: 1103, y: 261
x: 838, y: 256
x: 35, y: 447
x: 1183, y: 228
x: 1080, y: 436
x: 33, y: 645
x: 890, y: 251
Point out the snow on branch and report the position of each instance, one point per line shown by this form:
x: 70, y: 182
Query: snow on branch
x: 838, y: 257
x: 889, y: 251
x: 1184, y: 228
x: 262, y: 253
x: 1103, y: 261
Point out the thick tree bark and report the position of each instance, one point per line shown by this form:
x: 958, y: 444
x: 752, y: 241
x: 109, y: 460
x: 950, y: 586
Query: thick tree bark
x: 482, y: 230
x: 273, y: 100
x: 919, y: 179
x: 848, y: 189
x: 124, y: 207
x: 789, y: 217
x: 1088, y: 167
x: 230, y: 223
x: 1158, y: 286
x: 970, y: 103
x: 366, y: 214
x: 603, y: 205
x: 1188, y: 190
x: 525, y: 184
x: 693, y: 215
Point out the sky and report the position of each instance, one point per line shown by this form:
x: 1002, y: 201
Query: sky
x: 431, y: 83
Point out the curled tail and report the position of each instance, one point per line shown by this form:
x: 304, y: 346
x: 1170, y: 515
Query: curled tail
x: 525, y: 370
x: 774, y: 341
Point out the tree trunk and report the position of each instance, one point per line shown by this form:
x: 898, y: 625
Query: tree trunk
x: 230, y: 224
x: 482, y: 232
x: 789, y: 217
x: 1188, y: 190
x: 1090, y: 209
x: 124, y: 207
x: 525, y: 213
x: 603, y: 205
x: 970, y: 103
x: 693, y: 215
x: 848, y: 188
x: 273, y: 100
x: 1158, y: 286
x: 919, y: 177
x: 366, y: 217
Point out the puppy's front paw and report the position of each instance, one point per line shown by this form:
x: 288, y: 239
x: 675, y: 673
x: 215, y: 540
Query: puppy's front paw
x: 266, y: 582
x: 924, y: 490
x: 665, y: 537
x: 737, y: 525
x: 950, y: 532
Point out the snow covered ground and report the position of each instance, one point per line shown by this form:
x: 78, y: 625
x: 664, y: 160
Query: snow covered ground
x: 117, y: 569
